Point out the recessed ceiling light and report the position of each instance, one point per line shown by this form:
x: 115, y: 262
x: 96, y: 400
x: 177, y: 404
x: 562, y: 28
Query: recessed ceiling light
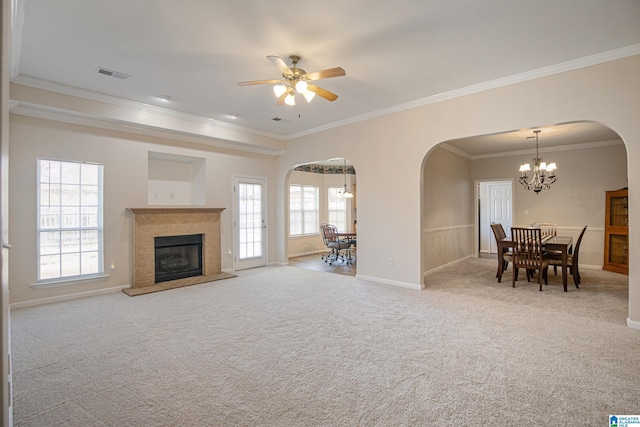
x: 233, y: 115
x: 164, y: 98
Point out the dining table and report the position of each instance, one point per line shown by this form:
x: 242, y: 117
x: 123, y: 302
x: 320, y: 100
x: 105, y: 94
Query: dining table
x: 560, y: 244
x: 350, y: 236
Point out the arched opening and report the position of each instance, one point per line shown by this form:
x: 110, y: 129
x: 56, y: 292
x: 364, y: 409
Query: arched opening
x: 591, y: 159
x: 321, y: 192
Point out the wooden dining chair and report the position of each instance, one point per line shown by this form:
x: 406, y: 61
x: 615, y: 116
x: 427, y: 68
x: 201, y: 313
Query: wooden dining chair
x: 503, y: 250
x: 528, y: 254
x: 572, y: 260
x: 548, y: 229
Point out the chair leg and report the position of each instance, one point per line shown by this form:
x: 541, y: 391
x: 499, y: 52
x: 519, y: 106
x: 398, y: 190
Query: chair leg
x: 540, y: 274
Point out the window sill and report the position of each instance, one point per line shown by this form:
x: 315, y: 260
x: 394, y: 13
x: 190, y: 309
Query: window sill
x: 69, y: 282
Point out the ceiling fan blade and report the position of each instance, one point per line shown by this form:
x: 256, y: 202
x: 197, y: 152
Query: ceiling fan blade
x: 325, y: 74
x: 329, y: 96
x: 282, y: 66
x: 281, y: 98
x: 258, y: 82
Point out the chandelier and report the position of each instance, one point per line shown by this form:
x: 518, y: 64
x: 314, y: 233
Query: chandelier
x: 543, y: 174
x: 345, y: 192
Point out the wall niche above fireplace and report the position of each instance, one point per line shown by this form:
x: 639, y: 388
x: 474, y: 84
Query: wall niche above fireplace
x: 175, y: 180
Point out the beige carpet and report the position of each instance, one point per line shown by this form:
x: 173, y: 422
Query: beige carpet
x: 284, y: 346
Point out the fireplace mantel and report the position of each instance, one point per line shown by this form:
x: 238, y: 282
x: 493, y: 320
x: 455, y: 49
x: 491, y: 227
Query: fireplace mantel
x: 149, y: 223
x: 150, y: 211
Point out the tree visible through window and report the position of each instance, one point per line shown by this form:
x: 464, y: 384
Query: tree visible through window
x: 69, y: 219
x: 337, y: 208
x: 303, y: 210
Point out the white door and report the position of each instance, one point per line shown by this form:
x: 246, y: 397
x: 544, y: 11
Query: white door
x: 500, y: 208
x: 250, y: 227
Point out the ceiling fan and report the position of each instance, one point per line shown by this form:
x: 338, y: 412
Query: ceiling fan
x: 296, y: 80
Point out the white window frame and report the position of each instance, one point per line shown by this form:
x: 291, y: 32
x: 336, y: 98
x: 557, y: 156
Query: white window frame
x: 341, y: 224
x: 79, y: 228
x: 305, y: 212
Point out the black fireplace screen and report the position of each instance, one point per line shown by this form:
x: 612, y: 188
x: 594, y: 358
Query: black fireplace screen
x: 178, y: 257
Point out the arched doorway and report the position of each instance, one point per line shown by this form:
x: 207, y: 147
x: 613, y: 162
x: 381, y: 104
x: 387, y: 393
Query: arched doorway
x: 591, y: 159
x: 319, y: 192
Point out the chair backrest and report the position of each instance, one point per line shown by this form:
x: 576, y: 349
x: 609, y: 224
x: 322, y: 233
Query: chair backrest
x: 547, y: 229
x: 498, y: 232
x: 527, y: 248
x: 329, y: 233
x: 576, y: 251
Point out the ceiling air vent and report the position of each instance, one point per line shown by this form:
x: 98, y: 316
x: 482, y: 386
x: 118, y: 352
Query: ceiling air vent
x: 279, y: 119
x: 111, y: 73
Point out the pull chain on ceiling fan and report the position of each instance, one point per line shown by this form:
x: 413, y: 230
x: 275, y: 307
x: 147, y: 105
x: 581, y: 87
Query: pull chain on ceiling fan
x: 296, y: 80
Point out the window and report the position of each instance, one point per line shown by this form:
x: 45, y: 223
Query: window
x: 69, y: 220
x: 337, y: 208
x: 303, y: 210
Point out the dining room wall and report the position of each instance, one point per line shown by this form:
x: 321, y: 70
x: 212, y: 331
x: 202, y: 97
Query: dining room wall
x: 575, y: 200
x: 447, y: 211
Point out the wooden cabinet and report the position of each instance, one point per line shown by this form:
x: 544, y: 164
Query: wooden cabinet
x: 616, y: 232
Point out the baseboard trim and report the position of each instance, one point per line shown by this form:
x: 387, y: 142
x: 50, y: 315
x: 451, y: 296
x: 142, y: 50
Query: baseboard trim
x: 321, y: 251
x: 633, y: 324
x: 433, y: 270
x: 389, y: 282
x: 78, y: 295
x: 590, y: 267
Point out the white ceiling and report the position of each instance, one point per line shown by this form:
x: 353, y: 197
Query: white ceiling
x: 396, y: 54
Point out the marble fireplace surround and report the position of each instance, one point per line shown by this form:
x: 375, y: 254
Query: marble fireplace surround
x: 148, y: 223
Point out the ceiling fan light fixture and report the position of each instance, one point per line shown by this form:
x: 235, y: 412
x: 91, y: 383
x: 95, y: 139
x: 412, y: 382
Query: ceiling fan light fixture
x: 301, y: 87
x: 290, y: 99
x: 279, y: 90
x: 296, y: 80
x: 308, y: 95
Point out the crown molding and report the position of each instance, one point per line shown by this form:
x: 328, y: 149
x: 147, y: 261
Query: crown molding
x: 468, y: 90
x: 455, y: 150
x: 126, y: 103
x: 562, y: 67
x: 547, y: 149
x: 65, y: 116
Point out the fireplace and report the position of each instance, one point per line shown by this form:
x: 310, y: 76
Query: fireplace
x: 198, y: 261
x: 177, y: 257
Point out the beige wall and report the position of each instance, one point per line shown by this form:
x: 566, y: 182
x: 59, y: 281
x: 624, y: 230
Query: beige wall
x: 125, y: 159
x: 447, y: 211
x: 389, y: 205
